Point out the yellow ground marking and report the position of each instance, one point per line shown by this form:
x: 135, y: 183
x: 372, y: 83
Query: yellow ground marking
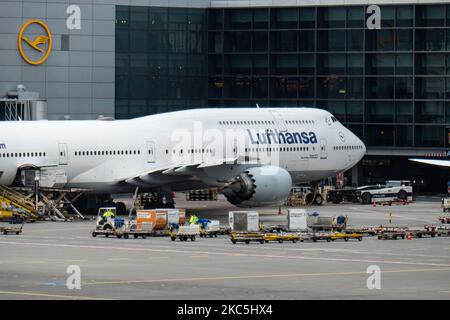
x: 37, y: 294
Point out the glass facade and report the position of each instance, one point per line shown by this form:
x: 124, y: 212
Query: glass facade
x: 390, y: 86
x: 160, y: 60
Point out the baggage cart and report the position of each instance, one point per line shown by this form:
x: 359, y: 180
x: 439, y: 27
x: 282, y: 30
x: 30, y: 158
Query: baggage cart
x: 391, y: 233
x: 346, y: 236
x: 443, y: 231
x: 11, y: 229
x: 281, y: 237
x: 320, y: 236
x: 247, y: 237
x: 427, y: 231
x: 185, y: 232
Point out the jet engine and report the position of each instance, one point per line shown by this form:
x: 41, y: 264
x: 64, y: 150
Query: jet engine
x: 258, y: 187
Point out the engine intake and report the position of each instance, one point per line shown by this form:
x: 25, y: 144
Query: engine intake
x: 260, y: 186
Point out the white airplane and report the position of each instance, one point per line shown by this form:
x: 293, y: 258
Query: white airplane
x: 254, y: 155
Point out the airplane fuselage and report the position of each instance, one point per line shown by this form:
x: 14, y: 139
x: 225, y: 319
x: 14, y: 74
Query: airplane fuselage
x: 101, y: 155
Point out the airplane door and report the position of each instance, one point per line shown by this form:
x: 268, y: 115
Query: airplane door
x: 323, y: 149
x: 151, y: 151
x: 279, y: 120
x: 63, y: 155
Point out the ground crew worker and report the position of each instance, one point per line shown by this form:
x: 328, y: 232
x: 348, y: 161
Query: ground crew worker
x: 193, y: 219
x: 108, y: 214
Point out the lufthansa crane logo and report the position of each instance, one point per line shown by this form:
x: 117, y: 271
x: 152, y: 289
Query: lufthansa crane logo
x: 41, y: 44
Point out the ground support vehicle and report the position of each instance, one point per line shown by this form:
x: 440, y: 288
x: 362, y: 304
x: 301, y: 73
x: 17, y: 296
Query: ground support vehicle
x: 209, y: 228
x: 121, y: 228
x: 281, y: 237
x: 391, y: 233
x: 316, y: 236
x: 365, y: 231
x: 443, y: 231
x: 427, y: 231
x: 390, y: 192
x: 327, y: 224
x: 444, y: 219
x: 346, y: 236
x: 15, y: 230
x: 445, y: 205
x: 247, y: 237
x: 185, y: 232
x: 275, y: 229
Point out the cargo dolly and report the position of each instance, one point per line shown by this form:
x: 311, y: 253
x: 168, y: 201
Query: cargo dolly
x: 427, y: 231
x: 123, y: 233
x: 444, y: 219
x: 320, y: 236
x: 14, y: 230
x: 443, y: 231
x: 209, y: 228
x: 391, y: 233
x: 282, y: 237
x: 184, y: 233
x: 247, y: 237
x: 365, y: 231
x: 346, y: 236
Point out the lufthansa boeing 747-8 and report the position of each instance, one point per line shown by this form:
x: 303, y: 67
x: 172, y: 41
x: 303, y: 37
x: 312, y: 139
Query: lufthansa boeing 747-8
x: 253, y: 155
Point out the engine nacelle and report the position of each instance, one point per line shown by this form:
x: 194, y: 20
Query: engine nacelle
x: 258, y: 187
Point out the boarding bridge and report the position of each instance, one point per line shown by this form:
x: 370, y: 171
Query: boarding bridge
x: 22, y: 105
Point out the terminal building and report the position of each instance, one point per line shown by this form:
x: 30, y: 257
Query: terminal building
x: 381, y: 67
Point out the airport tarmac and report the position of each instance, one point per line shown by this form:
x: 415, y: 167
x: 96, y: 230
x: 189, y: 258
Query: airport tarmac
x: 33, y: 265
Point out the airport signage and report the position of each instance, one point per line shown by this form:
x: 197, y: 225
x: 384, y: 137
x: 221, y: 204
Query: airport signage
x: 41, y: 43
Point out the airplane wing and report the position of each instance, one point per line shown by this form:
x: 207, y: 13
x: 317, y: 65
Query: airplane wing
x: 440, y: 163
x: 210, y: 172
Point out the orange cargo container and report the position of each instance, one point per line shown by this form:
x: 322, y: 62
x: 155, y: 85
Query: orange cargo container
x: 157, y: 218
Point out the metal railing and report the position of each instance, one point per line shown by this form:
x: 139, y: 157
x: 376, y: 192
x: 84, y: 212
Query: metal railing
x: 15, y: 110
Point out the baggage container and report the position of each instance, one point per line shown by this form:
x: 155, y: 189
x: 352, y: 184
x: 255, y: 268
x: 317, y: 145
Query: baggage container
x: 157, y: 218
x: 244, y: 220
x: 297, y: 219
x: 173, y: 216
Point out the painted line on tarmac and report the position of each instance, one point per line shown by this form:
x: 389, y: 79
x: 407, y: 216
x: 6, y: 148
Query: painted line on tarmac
x: 46, y: 295
x: 254, y: 255
x: 387, y: 214
x: 244, y: 249
x: 58, y: 229
x: 265, y: 276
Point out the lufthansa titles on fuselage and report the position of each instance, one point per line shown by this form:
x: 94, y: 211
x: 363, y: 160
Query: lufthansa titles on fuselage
x: 2, y: 146
x: 275, y: 137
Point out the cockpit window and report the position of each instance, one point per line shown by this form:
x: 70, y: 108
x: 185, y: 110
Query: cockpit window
x: 334, y: 119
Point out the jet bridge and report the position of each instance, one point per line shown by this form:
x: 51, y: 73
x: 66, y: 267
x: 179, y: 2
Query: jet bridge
x: 22, y: 105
